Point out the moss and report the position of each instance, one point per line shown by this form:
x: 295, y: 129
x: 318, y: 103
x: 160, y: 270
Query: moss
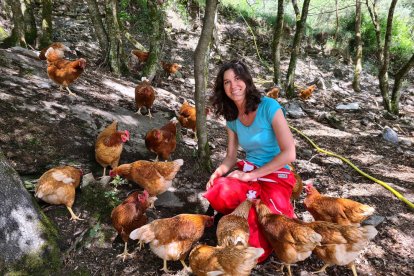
x: 45, y: 262
x: 3, y: 34
x: 98, y: 200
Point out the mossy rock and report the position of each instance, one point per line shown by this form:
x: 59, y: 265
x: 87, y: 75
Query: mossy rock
x: 30, y: 246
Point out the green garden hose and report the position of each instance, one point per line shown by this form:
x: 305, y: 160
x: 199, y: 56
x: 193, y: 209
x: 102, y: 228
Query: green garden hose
x: 385, y: 185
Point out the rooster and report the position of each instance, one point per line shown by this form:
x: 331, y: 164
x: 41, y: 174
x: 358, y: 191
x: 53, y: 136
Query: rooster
x: 172, y: 238
x: 144, y: 96
x: 339, y: 210
x: 162, y: 141
x: 109, y: 145
x: 57, y: 186
x: 154, y: 177
x: 230, y: 260
x: 130, y: 215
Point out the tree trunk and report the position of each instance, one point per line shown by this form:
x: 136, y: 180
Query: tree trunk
x: 395, y: 97
x: 116, y: 56
x: 375, y: 21
x: 201, y: 55
x: 47, y: 27
x: 356, y: 83
x: 383, y: 72
x: 157, y: 25
x: 277, y: 40
x: 337, y: 23
x: 27, y: 7
x: 17, y: 36
x: 98, y: 26
x: 300, y: 25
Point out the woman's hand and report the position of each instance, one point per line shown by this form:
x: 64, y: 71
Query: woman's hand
x: 211, y: 180
x: 246, y: 177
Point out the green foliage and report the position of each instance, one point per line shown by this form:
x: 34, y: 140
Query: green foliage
x: 118, y: 180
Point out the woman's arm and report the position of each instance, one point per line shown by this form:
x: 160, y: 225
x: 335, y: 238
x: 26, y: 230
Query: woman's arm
x: 230, y: 159
x: 287, y: 151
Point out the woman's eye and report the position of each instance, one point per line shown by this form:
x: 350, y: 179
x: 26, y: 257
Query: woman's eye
x: 237, y: 78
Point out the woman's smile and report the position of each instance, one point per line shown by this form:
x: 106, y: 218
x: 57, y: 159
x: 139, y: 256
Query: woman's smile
x: 234, y: 87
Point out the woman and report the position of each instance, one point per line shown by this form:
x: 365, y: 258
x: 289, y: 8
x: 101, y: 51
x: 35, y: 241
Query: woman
x: 258, y: 124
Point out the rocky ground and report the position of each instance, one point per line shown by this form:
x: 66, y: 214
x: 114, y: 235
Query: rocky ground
x: 43, y: 127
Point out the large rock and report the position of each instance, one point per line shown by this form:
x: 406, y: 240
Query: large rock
x: 27, y: 239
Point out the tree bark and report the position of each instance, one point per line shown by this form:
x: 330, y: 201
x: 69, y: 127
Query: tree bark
x: 157, y: 25
x: 201, y: 56
x: 356, y: 83
x: 395, y: 97
x: 116, y: 56
x: 277, y: 40
x: 47, y: 27
x: 383, y: 72
x: 98, y: 26
x: 300, y: 25
x: 17, y: 36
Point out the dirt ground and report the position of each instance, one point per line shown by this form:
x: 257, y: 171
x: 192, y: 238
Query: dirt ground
x: 42, y: 127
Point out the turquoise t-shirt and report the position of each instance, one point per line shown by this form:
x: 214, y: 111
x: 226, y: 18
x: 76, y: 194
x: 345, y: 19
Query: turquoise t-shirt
x: 258, y: 140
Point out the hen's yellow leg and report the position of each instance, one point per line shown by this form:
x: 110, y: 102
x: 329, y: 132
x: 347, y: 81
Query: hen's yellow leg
x: 323, y: 269
x: 70, y: 92
x: 139, y: 111
x: 352, y: 265
x: 289, y: 271
x: 185, y: 266
x: 125, y: 254
x: 73, y: 216
x: 165, y: 267
x: 149, y: 113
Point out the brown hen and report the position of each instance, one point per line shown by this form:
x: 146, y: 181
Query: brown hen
x: 307, y: 93
x: 233, y: 229
x: 130, y: 215
x: 291, y: 241
x: 144, y: 96
x: 57, y: 186
x: 341, y: 244
x: 171, y: 238
x: 154, y: 177
x: 187, y: 116
x: 230, y: 260
x: 109, y: 145
x: 162, y: 141
x: 339, y: 210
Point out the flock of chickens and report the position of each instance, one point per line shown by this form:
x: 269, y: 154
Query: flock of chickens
x: 336, y: 236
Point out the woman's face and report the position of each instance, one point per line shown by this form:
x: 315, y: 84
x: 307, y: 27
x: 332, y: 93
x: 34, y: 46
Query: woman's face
x: 234, y: 87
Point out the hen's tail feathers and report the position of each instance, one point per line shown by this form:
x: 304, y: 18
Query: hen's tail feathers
x: 370, y: 232
x: 250, y: 260
x: 179, y: 162
x: 143, y: 234
x: 367, y: 210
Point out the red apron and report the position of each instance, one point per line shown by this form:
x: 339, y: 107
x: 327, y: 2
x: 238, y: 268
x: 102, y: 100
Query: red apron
x: 273, y: 189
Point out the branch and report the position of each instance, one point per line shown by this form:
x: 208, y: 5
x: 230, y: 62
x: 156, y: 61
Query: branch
x: 134, y: 42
